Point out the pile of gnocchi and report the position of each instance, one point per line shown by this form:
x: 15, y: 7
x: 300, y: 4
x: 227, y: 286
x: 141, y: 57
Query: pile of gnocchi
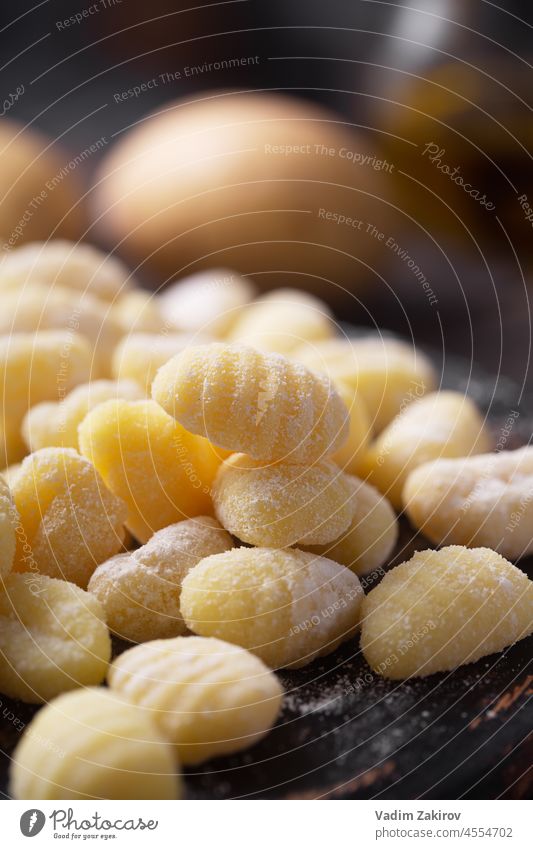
x: 215, y: 478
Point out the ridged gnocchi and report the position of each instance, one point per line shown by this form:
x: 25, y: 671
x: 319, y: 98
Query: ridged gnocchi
x: 139, y: 356
x: 282, y: 320
x: 209, y: 698
x: 9, y: 522
x: 55, y: 423
x: 443, y: 424
x: 371, y: 536
x: 386, y: 373
x: 486, y: 500
x: 256, y: 403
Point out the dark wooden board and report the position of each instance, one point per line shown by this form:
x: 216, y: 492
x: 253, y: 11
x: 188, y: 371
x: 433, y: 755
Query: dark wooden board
x: 346, y: 733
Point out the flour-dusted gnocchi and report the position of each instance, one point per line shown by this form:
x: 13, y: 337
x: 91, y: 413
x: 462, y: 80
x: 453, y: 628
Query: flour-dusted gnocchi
x: 282, y: 504
x: 445, y: 608
x: 443, y: 424
x: 53, y: 637
x: 209, y: 698
x: 69, y: 520
x: 139, y: 356
x: 286, y: 606
x: 253, y: 402
x: 140, y: 590
x: 486, y: 500
x: 93, y: 744
x: 9, y: 522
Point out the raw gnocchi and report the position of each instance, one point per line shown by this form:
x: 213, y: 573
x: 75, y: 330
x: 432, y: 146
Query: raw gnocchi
x: 57, y: 262
x: 93, y: 744
x: 161, y: 471
x: 140, y: 590
x: 209, y: 698
x: 370, y: 538
x: 282, y: 504
x: 443, y: 424
x: 282, y: 320
x: 139, y: 356
x: 53, y: 637
x: 56, y: 423
x: 286, y: 606
x: 253, y: 402
x: 386, y: 373
x: 9, y: 522
x: 69, y: 521
x: 485, y: 500
x: 443, y: 609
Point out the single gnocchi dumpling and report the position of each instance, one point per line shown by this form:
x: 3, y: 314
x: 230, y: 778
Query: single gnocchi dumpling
x: 42, y: 307
x: 53, y: 637
x: 137, y: 311
x: 282, y: 504
x: 371, y: 536
x: 57, y: 262
x: 162, y: 472
x: 209, y: 698
x: 140, y: 590
x: 443, y: 424
x: 9, y: 522
x: 443, y: 609
x: 93, y: 744
x: 350, y: 456
x: 139, y: 356
x: 386, y: 373
x: 253, y: 402
x: 69, y: 520
x: 56, y: 423
x: 207, y: 302
x: 42, y: 366
x: 282, y: 320
x: 485, y: 500
x: 286, y: 606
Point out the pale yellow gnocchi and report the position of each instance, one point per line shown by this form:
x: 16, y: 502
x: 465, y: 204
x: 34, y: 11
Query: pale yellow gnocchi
x: 443, y: 609
x: 53, y: 637
x: 253, y: 402
x: 486, y: 500
x: 286, y: 606
x: 140, y: 590
x: 282, y: 504
x: 93, y: 744
x: 209, y: 698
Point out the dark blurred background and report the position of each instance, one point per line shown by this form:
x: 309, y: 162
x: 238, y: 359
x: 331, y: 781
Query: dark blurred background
x: 452, y: 74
